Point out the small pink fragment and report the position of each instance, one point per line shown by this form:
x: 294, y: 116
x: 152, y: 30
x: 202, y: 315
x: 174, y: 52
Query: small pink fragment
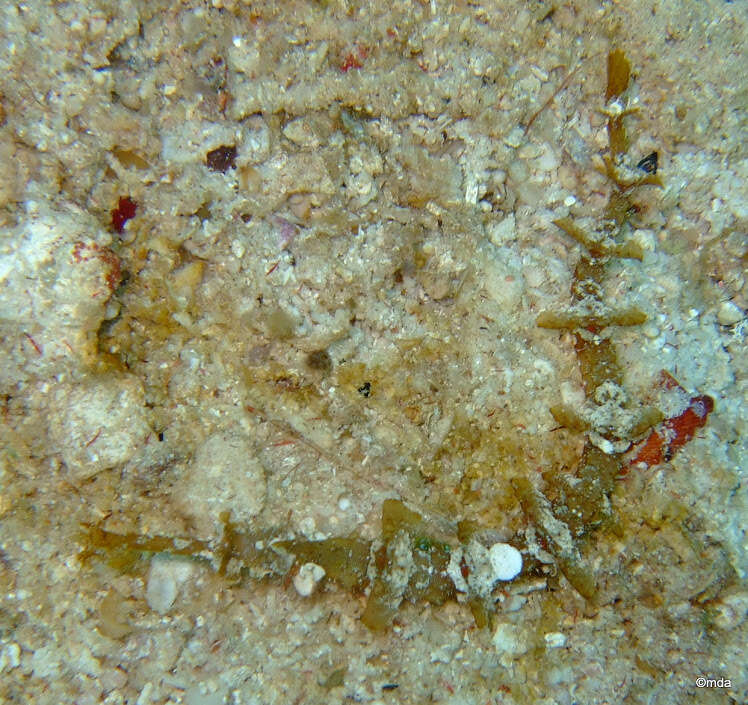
x: 287, y: 232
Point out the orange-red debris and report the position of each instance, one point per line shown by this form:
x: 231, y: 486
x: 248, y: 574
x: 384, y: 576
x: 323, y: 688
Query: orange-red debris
x: 114, y: 268
x: 673, y: 433
x: 124, y: 211
x: 80, y: 252
x: 351, y: 62
x: 36, y: 345
x: 84, y: 252
x: 354, y: 61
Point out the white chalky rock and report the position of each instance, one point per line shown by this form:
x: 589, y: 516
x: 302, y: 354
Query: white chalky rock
x: 729, y: 314
x: 191, y: 140
x: 306, y: 580
x: 506, y: 561
x: 225, y: 476
x: 10, y: 657
x: 555, y: 640
x: 504, y: 279
x: 56, y: 276
x: 503, y: 232
x: 99, y: 423
x: 165, y: 578
x: 301, y: 131
x: 510, y: 639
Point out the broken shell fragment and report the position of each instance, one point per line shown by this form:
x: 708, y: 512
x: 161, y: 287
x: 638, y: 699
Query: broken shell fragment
x: 305, y: 581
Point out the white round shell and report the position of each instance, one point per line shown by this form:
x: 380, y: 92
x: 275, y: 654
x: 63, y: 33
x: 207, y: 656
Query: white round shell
x: 506, y: 561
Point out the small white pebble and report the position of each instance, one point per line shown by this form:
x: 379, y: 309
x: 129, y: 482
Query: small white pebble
x: 165, y: 578
x: 547, y: 160
x: 305, y: 581
x: 97, y: 26
x: 308, y: 527
x: 237, y: 249
x: 10, y: 657
x: 569, y: 201
x: 506, y: 230
x: 471, y: 193
x: 603, y: 444
x: 344, y: 504
x: 730, y: 612
x: 540, y: 74
x: 506, y: 561
x: 555, y: 640
x: 646, y: 239
x: 145, y: 695
x: 529, y: 151
x: 729, y: 314
x: 515, y: 138
x: 201, y: 695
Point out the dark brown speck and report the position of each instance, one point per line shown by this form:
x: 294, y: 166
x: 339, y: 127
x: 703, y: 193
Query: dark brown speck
x: 221, y: 158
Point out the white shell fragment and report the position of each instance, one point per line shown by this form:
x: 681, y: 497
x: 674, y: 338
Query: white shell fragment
x: 729, y: 314
x: 305, y: 581
x: 486, y: 566
x: 506, y: 561
x: 165, y: 578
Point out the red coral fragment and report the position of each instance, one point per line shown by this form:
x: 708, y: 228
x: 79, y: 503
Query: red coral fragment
x: 124, y: 211
x: 354, y: 61
x: 673, y: 433
x: 350, y: 62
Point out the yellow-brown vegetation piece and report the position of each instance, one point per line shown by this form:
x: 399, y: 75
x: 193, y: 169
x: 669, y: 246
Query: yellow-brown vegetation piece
x: 627, y: 177
x: 600, y: 246
x: 580, y: 500
x: 623, y: 176
x: 123, y: 550
x: 556, y: 536
x: 411, y: 565
x: 617, y: 136
x: 619, y: 72
x: 575, y: 320
x: 574, y: 504
x: 129, y: 158
x: 570, y: 418
x: 598, y: 361
x: 345, y: 560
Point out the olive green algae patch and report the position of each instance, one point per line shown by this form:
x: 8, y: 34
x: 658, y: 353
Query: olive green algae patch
x: 409, y: 564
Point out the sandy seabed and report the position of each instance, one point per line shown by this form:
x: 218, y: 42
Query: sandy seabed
x: 283, y: 261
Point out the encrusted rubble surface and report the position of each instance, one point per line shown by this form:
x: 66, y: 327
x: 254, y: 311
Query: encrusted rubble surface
x: 327, y: 297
